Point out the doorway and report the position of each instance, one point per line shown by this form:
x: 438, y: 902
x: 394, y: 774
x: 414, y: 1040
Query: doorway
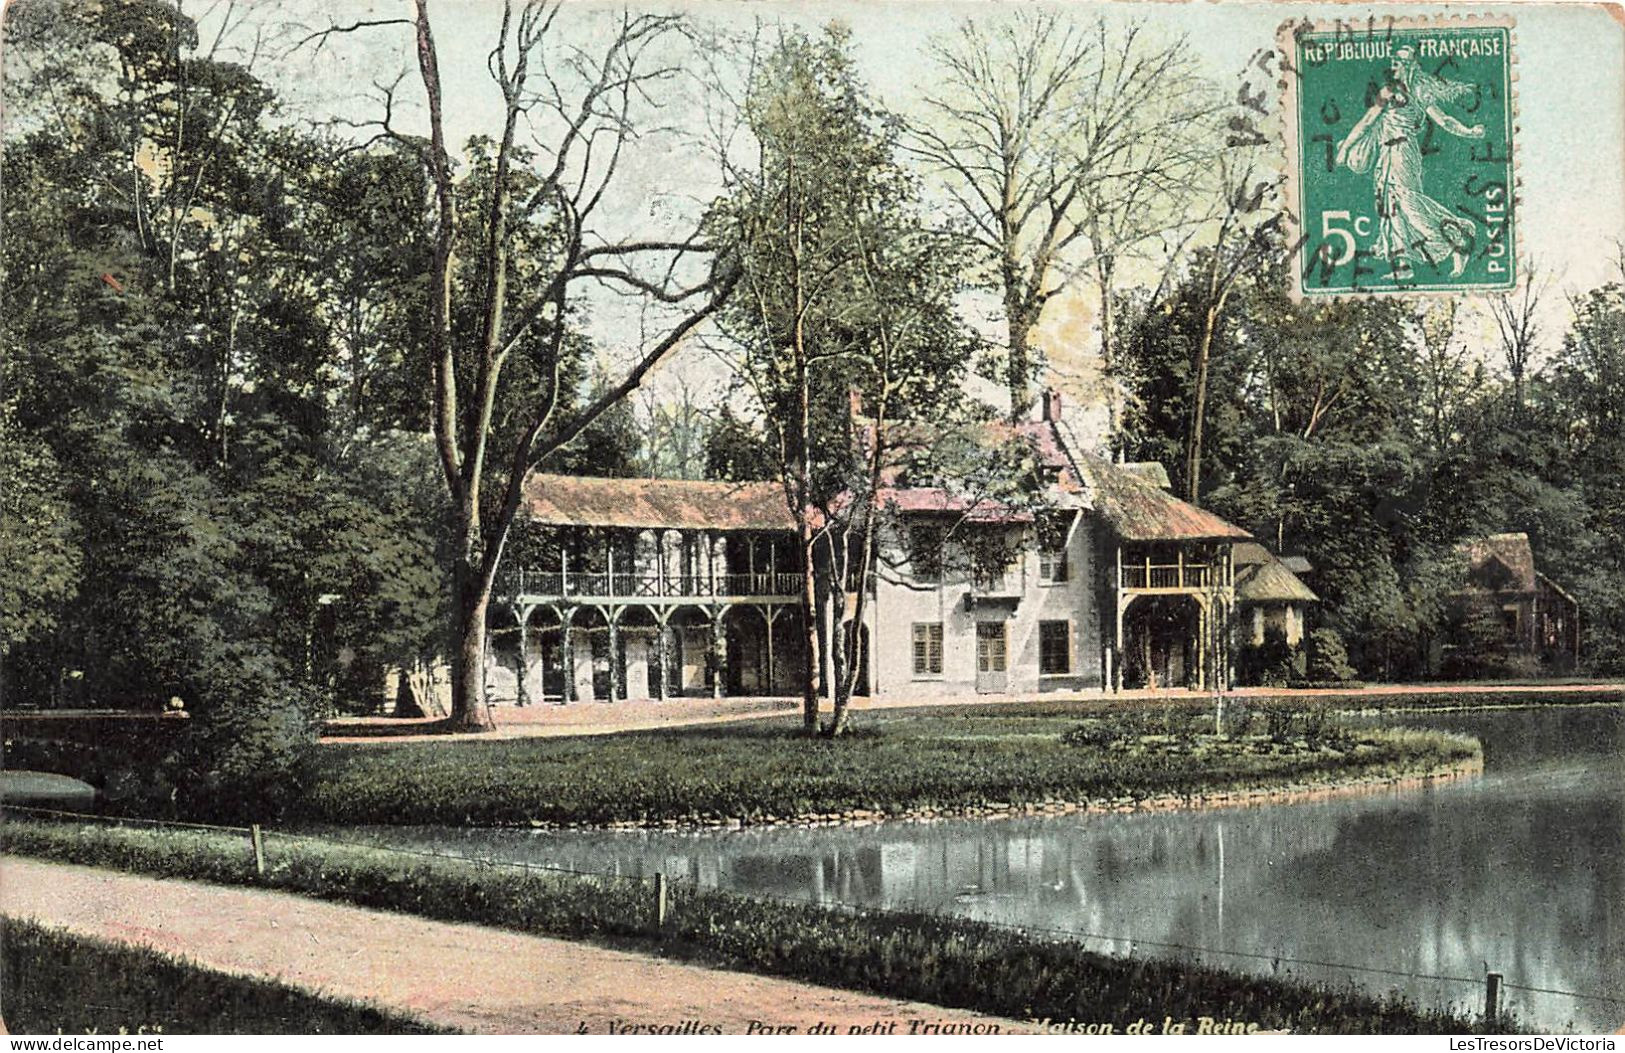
x: 992, y: 655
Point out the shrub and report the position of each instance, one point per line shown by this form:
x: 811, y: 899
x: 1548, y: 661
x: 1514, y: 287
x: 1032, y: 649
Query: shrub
x: 1273, y: 663
x: 249, y: 753
x: 1328, y: 659
x: 1094, y: 734
x: 1180, y: 723
x: 1238, y: 718
x: 1314, y: 721
x: 1278, y: 723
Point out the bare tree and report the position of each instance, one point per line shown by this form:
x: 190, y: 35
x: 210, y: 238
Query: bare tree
x: 1049, y: 134
x: 1451, y: 379
x: 581, y: 111
x: 1244, y: 237
x: 1516, y: 320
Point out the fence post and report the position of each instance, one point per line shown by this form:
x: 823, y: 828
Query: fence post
x: 661, y: 901
x: 1492, y: 998
x: 257, y: 839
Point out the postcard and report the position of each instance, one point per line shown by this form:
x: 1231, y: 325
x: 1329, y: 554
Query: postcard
x: 812, y: 517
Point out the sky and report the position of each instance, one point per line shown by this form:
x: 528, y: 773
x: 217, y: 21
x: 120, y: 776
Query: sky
x: 1570, y: 61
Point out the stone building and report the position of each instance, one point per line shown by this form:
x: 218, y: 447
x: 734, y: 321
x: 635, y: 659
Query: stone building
x: 667, y: 588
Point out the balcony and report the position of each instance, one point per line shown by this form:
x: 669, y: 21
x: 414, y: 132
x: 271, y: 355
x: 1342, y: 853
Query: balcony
x: 1168, y: 577
x: 634, y: 586
x: 1001, y: 589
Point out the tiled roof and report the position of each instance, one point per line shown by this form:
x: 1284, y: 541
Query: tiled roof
x: 681, y: 504
x: 1271, y: 582
x: 1152, y: 472
x: 1511, y: 552
x: 1140, y: 511
x: 1249, y: 553
x: 933, y: 499
x: 1297, y: 564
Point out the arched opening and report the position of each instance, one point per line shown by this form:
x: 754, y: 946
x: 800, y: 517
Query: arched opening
x: 590, y: 661
x: 524, y: 661
x: 1162, y: 642
x: 688, y: 652
x: 638, y: 631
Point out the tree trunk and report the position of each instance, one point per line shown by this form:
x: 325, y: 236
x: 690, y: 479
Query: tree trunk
x: 809, y: 625
x: 1108, y: 364
x: 1193, y: 458
x: 857, y: 654
x: 1018, y: 376
x: 840, y: 689
x: 470, y: 711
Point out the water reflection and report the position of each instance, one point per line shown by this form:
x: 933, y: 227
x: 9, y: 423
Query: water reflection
x: 1518, y: 871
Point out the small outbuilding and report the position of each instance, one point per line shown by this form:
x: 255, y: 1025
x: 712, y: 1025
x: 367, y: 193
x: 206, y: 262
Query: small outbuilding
x: 1270, y: 595
x: 1537, y: 615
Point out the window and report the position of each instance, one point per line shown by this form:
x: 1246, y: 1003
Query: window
x: 925, y: 553
x: 991, y: 553
x: 990, y: 647
x: 927, y: 648
x: 1054, y: 648
x: 1052, y: 566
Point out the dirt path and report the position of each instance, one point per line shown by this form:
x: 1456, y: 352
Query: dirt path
x: 462, y: 976
x: 605, y: 718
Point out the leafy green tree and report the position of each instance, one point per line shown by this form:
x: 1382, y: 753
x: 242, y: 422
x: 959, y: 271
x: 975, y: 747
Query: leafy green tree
x: 40, y: 559
x: 844, y: 323
x: 168, y: 345
x: 1587, y: 387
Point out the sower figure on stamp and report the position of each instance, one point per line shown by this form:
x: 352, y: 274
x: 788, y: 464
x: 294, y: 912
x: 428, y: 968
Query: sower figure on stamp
x: 1391, y: 133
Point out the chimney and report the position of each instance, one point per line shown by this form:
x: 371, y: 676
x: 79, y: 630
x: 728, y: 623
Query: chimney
x: 1052, y: 406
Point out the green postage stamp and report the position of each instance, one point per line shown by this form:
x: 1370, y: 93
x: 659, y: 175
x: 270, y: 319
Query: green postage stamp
x: 1400, y: 155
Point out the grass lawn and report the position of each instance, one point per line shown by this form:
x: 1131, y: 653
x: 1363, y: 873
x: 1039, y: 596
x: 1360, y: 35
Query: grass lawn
x: 58, y: 981
x: 897, y: 761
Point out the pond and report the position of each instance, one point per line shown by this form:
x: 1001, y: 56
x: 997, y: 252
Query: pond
x: 1520, y: 871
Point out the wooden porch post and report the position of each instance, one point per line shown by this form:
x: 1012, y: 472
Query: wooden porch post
x: 770, y: 614
x: 711, y: 562
x: 567, y: 651
x: 662, y: 650
x: 613, y: 617
x: 520, y: 692
x: 719, y: 651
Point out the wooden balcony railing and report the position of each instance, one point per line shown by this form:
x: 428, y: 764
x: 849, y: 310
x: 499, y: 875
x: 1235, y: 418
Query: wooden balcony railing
x: 1168, y: 575
x: 635, y: 585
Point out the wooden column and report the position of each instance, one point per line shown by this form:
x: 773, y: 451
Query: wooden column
x: 719, y: 651
x: 770, y: 614
x: 710, y: 561
x: 662, y: 650
x: 567, y: 651
x: 662, y: 587
x: 613, y: 617
x: 520, y: 693
x: 1201, y: 647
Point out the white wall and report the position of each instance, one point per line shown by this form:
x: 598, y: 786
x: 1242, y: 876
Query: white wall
x: 898, y: 607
